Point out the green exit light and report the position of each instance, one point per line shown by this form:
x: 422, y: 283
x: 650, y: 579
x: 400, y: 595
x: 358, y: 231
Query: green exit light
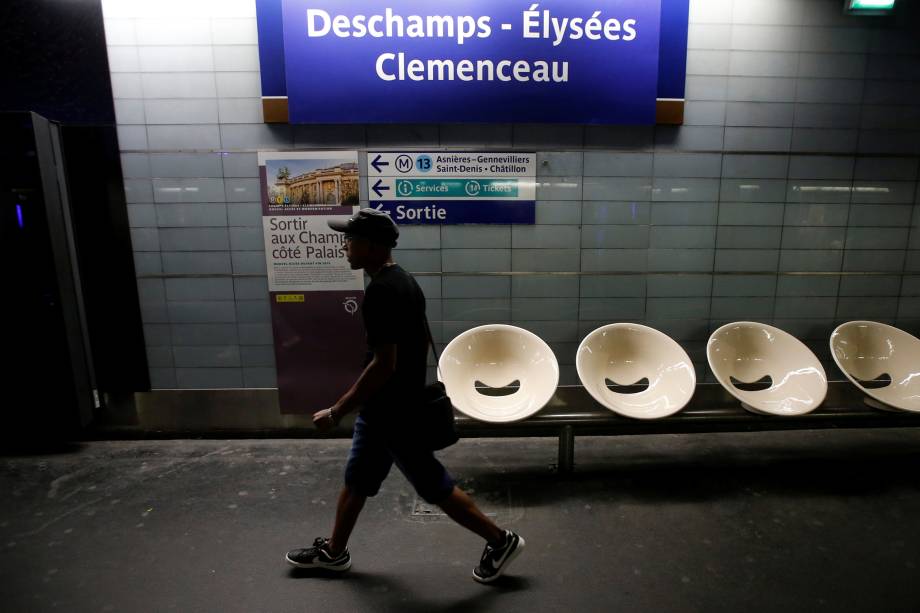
x: 870, y: 7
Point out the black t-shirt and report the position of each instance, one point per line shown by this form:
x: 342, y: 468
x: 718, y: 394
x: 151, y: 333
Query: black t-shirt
x: 394, y: 313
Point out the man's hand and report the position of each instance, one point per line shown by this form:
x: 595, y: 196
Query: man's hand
x: 324, y: 420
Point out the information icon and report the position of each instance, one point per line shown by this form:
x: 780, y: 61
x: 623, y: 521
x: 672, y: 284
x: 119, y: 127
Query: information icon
x: 404, y: 188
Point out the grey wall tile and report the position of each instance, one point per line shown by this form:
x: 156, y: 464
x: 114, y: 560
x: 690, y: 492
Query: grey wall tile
x: 753, y: 190
x: 876, y: 238
x: 765, y: 38
x: 759, y: 166
x: 537, y: 309
x: 559, y: 164
x: 708, y: 36
x: 808, y: 285
x: 242, y: 190
x: 684, y: 213
x: 811, y: 306
x: 690, y: 237
x: 611, y: 309
x: 420, y: 260
x: 813, y: 238
x: 260, y: 378
x: 687, y: 164
x: 758, y: 139
x: 674, y: 308
x: 246, y: 214
x: 749, y: 213
x: 614, y: 237
x: 760, y: 89
x: 188, y: 190
x: 559, y: 188
x: 876, y: 307
x: 204, y: 357
x: 679, y: 286
x: 145, y: 239
x: 247, y: 239
x: 724, y: 307
x: 544, y: 286
x: 142, y: 215
x: 199, y: 289
x: 743, y: 286
x: 824, y: 140
x: 821, y: 167
x: 759, y: 114
x: 833, y: 214
x: 897, y: 215
x: 238, y: 165
x: 689, y: 138
x: 196, y: 263
x: 475, y: 237
x: 620, y: 188
x: 882, y: 169
x: 545, y: 260
x: 185, y: 165
x: 680, y: 260
x: 209, y: 378
x: 183, y: 138
x: 612, y: 286
x: 700, y: 113
x: 841, y: 116
x: 419, y: 237
x: 191, y: 215
x: 194, y: 239
x: 474, y: 309
x: 539, y: 237
x: 674, y: 189
x: 250, y: 288
x: 746, y: 260
x: 249, y: 263
x: 888, y: 285
x: 797, y: 260
x: 613, y: 213
x: 476, y: 260
x: 562, y: 212
x: 476, y: 287
x: 743, y: 237
x: 256, y: 136
x: 614, y: 260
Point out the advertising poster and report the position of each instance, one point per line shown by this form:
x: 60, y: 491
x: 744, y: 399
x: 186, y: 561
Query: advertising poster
x: 315, y: 296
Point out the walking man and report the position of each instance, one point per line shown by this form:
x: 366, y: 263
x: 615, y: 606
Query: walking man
x: 394, y: 375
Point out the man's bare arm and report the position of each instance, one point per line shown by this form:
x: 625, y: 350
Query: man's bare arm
x: 375, y: 375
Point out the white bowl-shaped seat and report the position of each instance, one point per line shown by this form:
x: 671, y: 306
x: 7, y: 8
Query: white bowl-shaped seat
x: 867, y: 352
x: 499, y: 356
x: 749, y: 352
x: 626, y: 354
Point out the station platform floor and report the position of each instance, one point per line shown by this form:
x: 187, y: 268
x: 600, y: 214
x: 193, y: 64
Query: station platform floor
x: 773, y: 521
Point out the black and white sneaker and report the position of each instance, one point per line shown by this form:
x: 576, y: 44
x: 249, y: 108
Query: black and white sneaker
x: 495, y: 560
x: 318, y: 557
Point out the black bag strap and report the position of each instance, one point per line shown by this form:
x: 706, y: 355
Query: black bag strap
x: 437, y: 359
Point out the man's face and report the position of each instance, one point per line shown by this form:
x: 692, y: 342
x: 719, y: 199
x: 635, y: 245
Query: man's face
x: 356, y: 251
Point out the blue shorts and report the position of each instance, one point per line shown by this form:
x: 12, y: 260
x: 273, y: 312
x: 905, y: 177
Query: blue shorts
x: 372, y: 455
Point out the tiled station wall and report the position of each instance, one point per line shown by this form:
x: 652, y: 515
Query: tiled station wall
x: 789, y: 196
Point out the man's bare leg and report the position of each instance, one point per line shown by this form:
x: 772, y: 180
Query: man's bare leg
x: 461, y: 508
x: 346, y: 515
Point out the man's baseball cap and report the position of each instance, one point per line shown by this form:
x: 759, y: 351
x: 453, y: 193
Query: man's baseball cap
x: 371, y: 224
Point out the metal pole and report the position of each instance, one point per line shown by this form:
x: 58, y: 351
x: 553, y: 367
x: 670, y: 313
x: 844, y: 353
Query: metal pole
x: 566, y: 449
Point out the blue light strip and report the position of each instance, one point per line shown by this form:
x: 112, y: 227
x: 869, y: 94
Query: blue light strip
x: 19, y: 215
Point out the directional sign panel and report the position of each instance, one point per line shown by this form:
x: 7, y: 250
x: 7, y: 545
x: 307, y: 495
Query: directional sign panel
x: 446, y: 187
